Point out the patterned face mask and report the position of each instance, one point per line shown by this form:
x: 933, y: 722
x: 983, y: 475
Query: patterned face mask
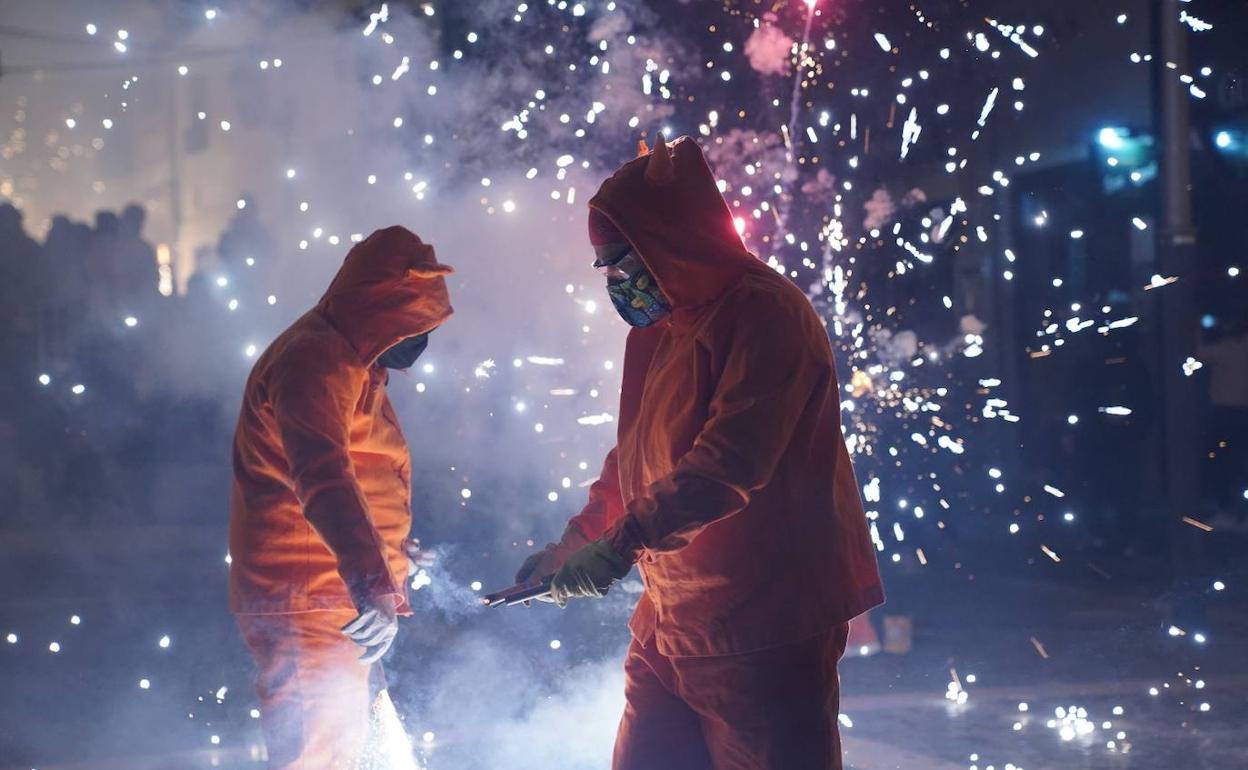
x: 633, y: 290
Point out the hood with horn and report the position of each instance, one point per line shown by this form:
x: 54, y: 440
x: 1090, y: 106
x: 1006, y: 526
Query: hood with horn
x: 667, y: 204
x: 390, y: 287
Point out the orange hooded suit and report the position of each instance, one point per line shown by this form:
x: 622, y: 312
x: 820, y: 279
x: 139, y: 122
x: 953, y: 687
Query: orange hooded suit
x: 731, y: 485
x: 322, y: 486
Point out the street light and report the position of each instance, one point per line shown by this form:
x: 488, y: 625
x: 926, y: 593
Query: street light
x: 1111, y: 138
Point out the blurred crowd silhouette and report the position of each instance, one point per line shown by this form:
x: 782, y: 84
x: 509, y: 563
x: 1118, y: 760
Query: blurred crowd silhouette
x: 103, y: 419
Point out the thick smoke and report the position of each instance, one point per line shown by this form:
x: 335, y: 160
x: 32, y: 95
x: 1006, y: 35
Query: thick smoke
x: 498, y: 710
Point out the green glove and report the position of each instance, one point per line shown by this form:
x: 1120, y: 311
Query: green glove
x: 588, y: 573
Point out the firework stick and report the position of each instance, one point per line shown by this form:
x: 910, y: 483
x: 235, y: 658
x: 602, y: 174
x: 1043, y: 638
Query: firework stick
x: 517, y: 594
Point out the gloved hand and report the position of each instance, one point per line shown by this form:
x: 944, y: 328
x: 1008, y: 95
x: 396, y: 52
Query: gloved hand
x: 545, y: 562
x: 417, y: 557
x: 374, y: 628
x: 588, y: 573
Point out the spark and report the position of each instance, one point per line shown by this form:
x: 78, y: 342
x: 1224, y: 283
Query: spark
x: 1197, y: 24
x: 595, y: 419
x: 380, y: 16
x: 910, y: 132
x: 1039, y: 647
x: 989, y: 103
x: 1197, y: 524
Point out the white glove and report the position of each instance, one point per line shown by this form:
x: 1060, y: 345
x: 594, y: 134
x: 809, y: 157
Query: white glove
x: 374, y: 628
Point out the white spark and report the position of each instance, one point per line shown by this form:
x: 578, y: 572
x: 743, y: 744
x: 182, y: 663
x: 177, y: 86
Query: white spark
x: 989, y: 103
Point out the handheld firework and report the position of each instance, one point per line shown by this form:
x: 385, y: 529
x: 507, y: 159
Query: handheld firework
x: 518, y: 594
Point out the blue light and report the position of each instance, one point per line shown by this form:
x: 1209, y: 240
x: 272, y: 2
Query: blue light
x: 1223, y: 139
x: 1111, y: 138
x: 1208, y: 322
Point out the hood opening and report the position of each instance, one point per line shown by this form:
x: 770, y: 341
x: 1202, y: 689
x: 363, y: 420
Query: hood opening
x: 672, y: 213
x: 390, y: 287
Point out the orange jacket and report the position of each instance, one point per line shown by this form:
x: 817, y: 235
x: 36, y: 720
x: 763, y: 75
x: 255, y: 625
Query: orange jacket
x: 322, y: 478
x: 730, y: 480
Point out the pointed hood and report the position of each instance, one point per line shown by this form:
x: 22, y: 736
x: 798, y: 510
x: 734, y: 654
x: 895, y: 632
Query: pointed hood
x: 390, y: 287
x: 667, y: 204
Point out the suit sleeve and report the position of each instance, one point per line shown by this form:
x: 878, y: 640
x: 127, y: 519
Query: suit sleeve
x: 771, y: 367
x: 313, y: 405
x: 605, y: 502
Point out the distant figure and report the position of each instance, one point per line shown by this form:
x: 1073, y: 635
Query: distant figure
x: 101, y: 271
x: 1227, y: 359
x: 137, y: 272
x: 65, y: 288
x: 729, y: 485
x: 66, y: 246
x: 16, y: 242
x: 319, y: 514
x: 20, y: 264
x: 199, y: 286
x: 246, y: 251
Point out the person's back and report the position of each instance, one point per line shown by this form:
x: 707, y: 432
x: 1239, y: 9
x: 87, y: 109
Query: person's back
x: 318, y: 446
x: 279, y: 561
x: 320, y: 503
x: 137, y: 270
x: 21, y: 260
x: 101, y: 268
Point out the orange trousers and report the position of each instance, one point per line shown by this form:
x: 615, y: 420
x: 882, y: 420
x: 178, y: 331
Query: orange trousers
x: 776, y: 709
x: 314, y: 694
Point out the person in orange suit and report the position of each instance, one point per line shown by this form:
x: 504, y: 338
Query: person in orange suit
x: 730, y: 485
x: 320, y: 509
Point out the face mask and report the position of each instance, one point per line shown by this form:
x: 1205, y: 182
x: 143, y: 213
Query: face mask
x: 403, y: 354
x: 634, y: 292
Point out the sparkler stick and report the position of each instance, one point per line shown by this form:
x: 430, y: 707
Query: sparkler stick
x: 517, y: 594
